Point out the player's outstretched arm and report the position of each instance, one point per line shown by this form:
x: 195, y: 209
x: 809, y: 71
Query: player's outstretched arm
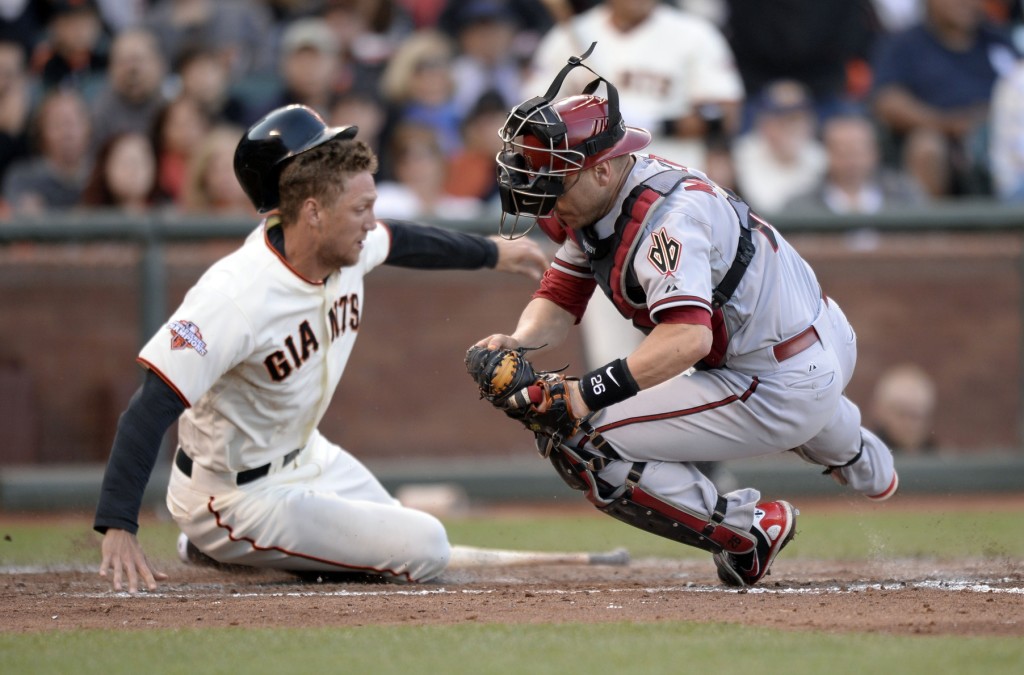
x: 123, y: 557
x: 520, y: 256
x: 430, y: 247
x: 140, y: 430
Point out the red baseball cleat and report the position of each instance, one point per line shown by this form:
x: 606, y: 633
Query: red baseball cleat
x: 774, y: 527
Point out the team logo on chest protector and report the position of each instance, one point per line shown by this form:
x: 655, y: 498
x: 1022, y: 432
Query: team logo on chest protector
x: 186, y: 335
x: 664, y: 252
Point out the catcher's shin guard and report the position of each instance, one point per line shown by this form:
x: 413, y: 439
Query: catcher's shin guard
x: 650, y: 512
x: 636, y: 506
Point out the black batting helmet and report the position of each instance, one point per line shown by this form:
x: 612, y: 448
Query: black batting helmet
x: 268, y: 145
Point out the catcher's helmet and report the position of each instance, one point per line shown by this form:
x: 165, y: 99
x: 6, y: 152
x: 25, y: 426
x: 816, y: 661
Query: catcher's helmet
x: 543, y: 142
x: 268, y: 145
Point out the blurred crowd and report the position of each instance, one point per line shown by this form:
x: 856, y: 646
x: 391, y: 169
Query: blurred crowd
x: 833, y: 105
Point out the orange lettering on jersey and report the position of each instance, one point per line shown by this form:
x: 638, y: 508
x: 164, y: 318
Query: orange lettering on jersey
x: 336, y: 316
x: 277, y: 365
x: 665, y: 252
x: 308, y: 340
x: 648, y: 82
x: 280, y: 366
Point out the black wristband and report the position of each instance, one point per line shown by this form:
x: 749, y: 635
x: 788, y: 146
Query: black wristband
x: 608, y: 385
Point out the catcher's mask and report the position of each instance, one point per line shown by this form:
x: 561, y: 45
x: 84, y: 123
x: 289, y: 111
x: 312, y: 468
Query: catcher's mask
x: 545, y: 141
x: 271, y: 142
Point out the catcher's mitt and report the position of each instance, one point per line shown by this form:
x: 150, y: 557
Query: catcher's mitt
x: 538, y: 400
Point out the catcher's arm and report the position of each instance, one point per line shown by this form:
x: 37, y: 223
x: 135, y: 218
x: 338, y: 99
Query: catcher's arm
x: 541, y: 323
x: 667, y: 351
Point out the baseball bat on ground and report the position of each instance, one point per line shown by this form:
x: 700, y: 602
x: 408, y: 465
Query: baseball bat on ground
x: 464, y: 557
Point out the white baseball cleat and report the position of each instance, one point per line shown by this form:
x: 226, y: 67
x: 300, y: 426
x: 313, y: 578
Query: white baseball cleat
x: 183, y: 547
x: 889, y: 491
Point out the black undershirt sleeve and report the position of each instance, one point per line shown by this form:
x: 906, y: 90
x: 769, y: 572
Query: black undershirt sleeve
x: 429, y: 247
x: 152, y: 410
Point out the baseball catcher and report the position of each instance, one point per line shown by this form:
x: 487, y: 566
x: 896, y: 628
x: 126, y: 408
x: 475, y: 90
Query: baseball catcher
x: 713, y: 287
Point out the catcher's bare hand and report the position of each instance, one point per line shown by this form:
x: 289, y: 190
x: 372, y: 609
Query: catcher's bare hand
x: 122, y: 553
x: 520, y: 256
x: 498, y: 341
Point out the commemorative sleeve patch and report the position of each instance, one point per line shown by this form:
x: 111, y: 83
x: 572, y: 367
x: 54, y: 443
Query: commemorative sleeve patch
x: 665, y: 252
x: 186, y: 335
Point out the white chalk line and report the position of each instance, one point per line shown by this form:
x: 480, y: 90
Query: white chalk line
x: 1003, y: 585
x: 831, y: 589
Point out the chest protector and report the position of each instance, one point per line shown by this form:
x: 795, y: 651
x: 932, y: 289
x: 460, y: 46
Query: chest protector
x: 611, y: 258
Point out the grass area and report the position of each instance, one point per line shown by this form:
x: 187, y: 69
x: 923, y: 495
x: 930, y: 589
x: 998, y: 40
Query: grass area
x: 834, y: 535
x: 481, y: 650
x: 662, y: 647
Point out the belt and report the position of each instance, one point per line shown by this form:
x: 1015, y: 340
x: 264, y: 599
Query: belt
x: 184, y: 462
x: 796, y: 344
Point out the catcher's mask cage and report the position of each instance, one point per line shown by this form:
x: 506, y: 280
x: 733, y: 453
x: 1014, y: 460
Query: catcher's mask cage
x: 271, y: 142
x: 545, y: 141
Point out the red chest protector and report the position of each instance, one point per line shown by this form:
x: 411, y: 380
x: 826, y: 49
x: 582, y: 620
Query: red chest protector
x: 611, y: 258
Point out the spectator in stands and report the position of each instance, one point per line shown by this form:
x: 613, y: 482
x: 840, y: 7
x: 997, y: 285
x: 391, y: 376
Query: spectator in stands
x: 54, y: 178
x: 823, y: 44
x: 417, y: 190
x: 178, y: 130
x: 418, y: 87
x: 205, y: 78
x: 15, y: 105
x: 933, y: 84
x: 22, y: 22
x: 486, y: 62
x: 118, y: 15
x: 674, y: 72
x: 309, y: 67
x: 124, y: 175
x: 366, y: 112
x: 132, y: 96
x: 210, y: 184
x: 534, y: 18
x: 1006, y: 135
x: 75, y: 50
x: 897, y: 15
x: 471, y: 170
x: 780, y: 157
x: 239, y: 29
x: 369, y: 32
x: 903, y: 409
x: 855, y: 181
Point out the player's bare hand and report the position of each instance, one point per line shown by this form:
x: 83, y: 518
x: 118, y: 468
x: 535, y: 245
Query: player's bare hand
x: 123, y: 556
x: 498, y: 341
x: 520, y: 256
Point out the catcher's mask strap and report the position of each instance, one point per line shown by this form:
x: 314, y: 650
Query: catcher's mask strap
x: 600, y: 141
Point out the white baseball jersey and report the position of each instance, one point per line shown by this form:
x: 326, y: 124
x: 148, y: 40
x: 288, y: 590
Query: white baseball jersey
x: 256, y: 350
x: 661, y: 68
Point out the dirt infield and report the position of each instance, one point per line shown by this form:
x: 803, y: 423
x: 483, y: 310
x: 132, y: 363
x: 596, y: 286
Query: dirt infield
x: 981, y: 597
x: 911, y: 597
